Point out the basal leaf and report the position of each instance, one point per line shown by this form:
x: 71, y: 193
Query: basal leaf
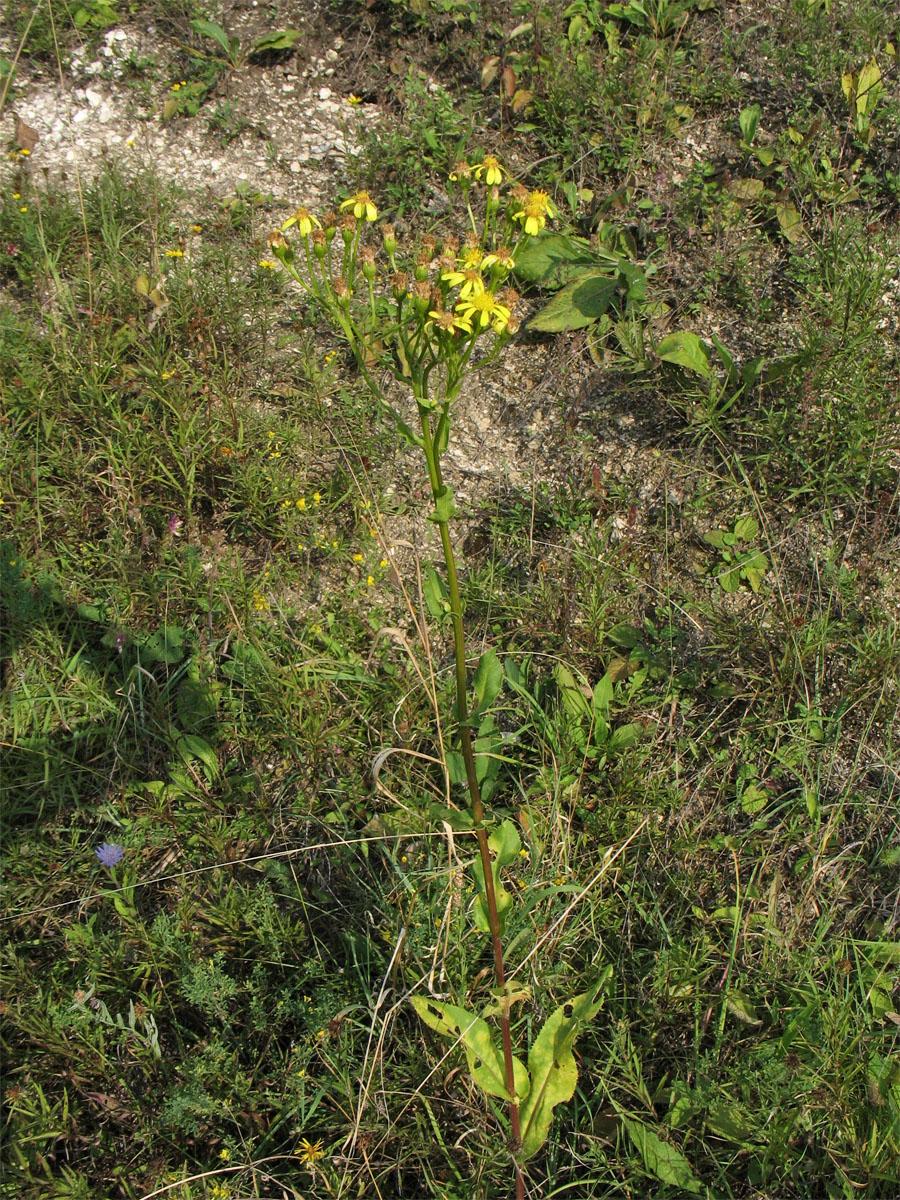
x: 283, y: 40
x: 551, y: 1064
x: 790, y: 221
x: 685, y: 349
x: 553, y: 259
x: 580, y: 303
x: 663, y: 1160
x: 212, y: 30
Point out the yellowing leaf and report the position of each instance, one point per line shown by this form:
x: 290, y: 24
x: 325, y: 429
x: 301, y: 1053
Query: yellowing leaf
x: 485, y: 1060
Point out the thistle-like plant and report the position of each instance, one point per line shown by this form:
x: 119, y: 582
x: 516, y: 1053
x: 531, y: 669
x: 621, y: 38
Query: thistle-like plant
x: 429, y: 314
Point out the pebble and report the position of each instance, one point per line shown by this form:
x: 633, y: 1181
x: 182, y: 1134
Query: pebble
x: 324, y: 93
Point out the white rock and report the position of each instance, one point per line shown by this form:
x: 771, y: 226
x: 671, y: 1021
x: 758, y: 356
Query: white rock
x: 324, y: 93
x: 93, y: 97
x: 105, y: 113
x: 80, y: 116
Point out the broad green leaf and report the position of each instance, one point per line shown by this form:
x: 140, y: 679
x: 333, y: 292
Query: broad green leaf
x: 571, y: 692
x: 749, y: 122
x: 488, y: 679
x: 552, y: 259
x: 484, y: 1058
x: 663, y: 1160
x: 746, y: 529
x: 551, y: 1064
x: 164, y: 646
x: 790, y: 221
x: 685, y: 349
x: 754, y: 571
x: 504, y: 845
x: 747, y: 190
x: 626, y: 636
x: 725, y: 1120
x: 602, y: 694
x: 211, y: 30
x: 741, y: 1007
x: 624, y: 737
x: 437, y: 598
x: 283, y: 40
x: 580, y: 303
x: 868, y: 87
x: 753, y: 799
x: 765, y: 154
x: 190, y: 745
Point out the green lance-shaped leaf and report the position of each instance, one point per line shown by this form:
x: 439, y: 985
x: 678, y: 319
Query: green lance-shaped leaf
x: 551, y: 1064
x: 488, y: 680
x: 504, y: 845
x: 662, y: 1159
x: 485, y: 1059
x: 552, y: 260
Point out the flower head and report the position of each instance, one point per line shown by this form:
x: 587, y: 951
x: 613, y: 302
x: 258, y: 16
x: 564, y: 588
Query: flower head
x: 309, y: 1152
x: 483, y: 307
x: 534, y: 212
x: 490, y: 169
x: 502, y: 257
x: 304, y: 220
x: 362, y: 205
x: 174, y: 524
x: 450, y: 322
x: 110, y: 853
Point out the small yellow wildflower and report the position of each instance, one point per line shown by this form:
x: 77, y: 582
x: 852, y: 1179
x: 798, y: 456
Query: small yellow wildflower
x: 501, y: 257
x: 219, y: 1191
x: 335, y: 544
x: 287, y: 503
x: 362, y: 205
x: 196, y: 229
x: 383, y: 562
x: 309, y: 1152
x: 370, y: 581
x: 358, y: 558
x: 224, y: 1155
x: 24, y: 208
x: 534, y: 212
x: 482, y: 305
x: 304, y: 220
x: 167, y: 374
x: 17, y: 195
x: 24, y: 152
x: 354, y: 99
x: 450, y: 322
x: 301, y: 503
x: 260, y: 603
x: 317, y: 498
x: 268, y: 264
x: 174, y: 254
x: 491, y: 169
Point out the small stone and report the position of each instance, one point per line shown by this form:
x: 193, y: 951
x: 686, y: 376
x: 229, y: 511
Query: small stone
x: 324, y: 93
x: 296, y: 166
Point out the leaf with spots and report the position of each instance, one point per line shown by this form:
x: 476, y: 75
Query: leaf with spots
x: 485, y: 1059
x: 551, y: 1064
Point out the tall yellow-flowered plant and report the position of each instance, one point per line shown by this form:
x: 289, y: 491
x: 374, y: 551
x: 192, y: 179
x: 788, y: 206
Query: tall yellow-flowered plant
x: 430, y: 313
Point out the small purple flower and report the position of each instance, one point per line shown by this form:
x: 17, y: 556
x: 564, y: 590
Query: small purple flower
x: 120, y: 641
x: 110, y: 853
x: 174, y: 524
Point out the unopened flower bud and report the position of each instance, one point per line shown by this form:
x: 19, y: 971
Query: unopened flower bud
x: 400, y: 283
x: 366, y: 258
x: 422, y: 296
x: 389, y: 239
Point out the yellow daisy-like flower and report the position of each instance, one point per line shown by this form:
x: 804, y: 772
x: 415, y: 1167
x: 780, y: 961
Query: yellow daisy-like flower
x: 501, y: 257
x: 174, y: 254
x: 362, y: 205
x: 490, y: 169
x: 268, y: 264
x: 483, y: 307
x: 450, y: 322
x: 304, y: 220
x: 354, y: 99
x: 309, y: 1152
x: 534, y: 212
x: 466, y: 281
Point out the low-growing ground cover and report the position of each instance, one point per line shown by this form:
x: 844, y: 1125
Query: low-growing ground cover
x: 224, y: 646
